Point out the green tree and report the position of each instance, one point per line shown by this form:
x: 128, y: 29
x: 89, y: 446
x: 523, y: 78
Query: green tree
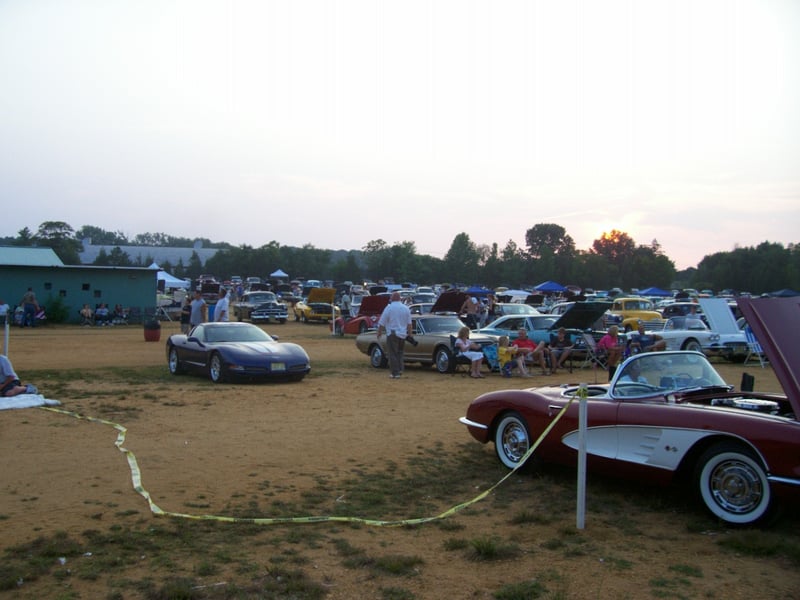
x: 25, y: 237
x: 347, y: 269
x: 59, y: 236
x: 462, y: 260
x: 101, y: 237
x: 377, y: 257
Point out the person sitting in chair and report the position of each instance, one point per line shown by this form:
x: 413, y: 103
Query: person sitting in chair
x: 469, y: 349
x: 505, y: 354
x: 102, y: 315
x: 646, y: 342
x: 528, y: 349
x: 87, y: 316
x: 611, y: 346
x: 559, y: 349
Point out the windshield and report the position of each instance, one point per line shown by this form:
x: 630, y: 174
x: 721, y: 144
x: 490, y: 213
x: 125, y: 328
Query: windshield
x: 664, y: 372
x: 233, y: 332
x: 262, y: 297
x: 439, y: 325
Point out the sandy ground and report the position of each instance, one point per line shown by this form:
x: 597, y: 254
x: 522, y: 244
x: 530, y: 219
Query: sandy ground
x: 200, y: 442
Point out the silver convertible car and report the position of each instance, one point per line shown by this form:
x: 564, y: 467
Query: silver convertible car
x: 669, y: 416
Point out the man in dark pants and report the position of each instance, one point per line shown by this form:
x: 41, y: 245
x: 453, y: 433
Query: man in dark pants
x: 395, y: 321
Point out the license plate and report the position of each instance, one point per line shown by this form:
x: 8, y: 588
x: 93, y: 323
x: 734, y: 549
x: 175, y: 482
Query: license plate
x: 278, y: 367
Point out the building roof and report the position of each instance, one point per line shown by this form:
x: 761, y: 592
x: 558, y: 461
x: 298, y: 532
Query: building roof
x: 147, y: 254
x: 29, y: 256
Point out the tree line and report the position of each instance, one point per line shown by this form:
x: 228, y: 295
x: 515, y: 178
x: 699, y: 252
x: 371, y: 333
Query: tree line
x: 549, y: 253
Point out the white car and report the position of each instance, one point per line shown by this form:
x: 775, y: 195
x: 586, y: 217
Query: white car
x: 685, y: 333
x: 732, y: 342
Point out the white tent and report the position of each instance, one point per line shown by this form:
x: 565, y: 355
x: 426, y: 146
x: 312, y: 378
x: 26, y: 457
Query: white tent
x: 170, y: 281
x: 278, y: 273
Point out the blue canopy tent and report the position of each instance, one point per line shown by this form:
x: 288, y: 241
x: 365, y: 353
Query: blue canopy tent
x: 654, y: 291
x: 550, y: 287
x: 478, y: 291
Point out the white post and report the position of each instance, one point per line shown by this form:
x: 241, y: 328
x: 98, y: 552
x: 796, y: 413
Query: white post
x: 5, y: 341
x: 581, y: 504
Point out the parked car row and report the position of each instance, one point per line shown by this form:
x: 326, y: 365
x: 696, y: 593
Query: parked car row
x: 665, y: 417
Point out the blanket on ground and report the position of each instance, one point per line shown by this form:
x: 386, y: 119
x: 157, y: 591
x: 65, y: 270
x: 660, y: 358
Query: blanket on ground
x: 26, y: 401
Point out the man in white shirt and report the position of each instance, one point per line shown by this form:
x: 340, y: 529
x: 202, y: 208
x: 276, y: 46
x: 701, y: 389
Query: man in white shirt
x: 221, y: 309
x: 395, y: 321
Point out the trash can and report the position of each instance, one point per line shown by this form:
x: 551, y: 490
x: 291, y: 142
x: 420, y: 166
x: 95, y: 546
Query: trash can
x: 152, y: 330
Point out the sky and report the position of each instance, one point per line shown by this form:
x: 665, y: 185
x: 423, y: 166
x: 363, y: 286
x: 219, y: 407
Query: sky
x: 338, y: 122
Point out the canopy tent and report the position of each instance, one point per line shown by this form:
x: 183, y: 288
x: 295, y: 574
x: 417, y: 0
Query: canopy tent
x: 654, y: 291
x: 478, y: 291
x: 550, y: 286
x: 170, y: 281
x: 513, y: 296
x: 278, y: 273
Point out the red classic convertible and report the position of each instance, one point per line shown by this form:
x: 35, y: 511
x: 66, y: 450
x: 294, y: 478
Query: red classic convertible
x: 667, y: 416
x: 369, y: 311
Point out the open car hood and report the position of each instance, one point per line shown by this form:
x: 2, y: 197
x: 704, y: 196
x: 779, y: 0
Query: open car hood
x: 372, y: 305
x: 719, y: 315
x: 450, y: 301
x: 581, y: 315
x: 324, y: 295
x: 776, y: 324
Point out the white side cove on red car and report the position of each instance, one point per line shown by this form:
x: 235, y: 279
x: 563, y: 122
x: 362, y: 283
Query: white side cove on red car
x: 659, y: 447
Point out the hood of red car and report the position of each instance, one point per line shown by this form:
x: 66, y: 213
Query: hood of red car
x: 581, y: 315
x: 776, y: 324
x: 325, y: 295
x: 372, y: 305
x: 450, y: 301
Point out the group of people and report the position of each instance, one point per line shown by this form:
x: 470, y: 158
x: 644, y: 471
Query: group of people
x: 195, y: 310
x: 102, y: 315
x: 614, y: 350
x: 27, y: 313
x: 523, y: 351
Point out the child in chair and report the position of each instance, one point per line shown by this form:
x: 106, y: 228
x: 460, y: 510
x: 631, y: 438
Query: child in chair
x: 505, y: 355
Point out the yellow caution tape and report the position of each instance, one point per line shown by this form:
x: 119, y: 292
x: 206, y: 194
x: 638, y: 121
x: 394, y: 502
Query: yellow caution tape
x: 136, y: 478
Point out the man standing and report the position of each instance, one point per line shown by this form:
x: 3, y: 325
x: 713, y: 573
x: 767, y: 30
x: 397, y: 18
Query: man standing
x: 199, y: 310
x: 395, y: 321
x: 346, y: 305
x: 221, y: 309
x: 30, y: 307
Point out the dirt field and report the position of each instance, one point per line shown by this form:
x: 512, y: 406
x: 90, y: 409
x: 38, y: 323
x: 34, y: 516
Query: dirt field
x: 201, y: 447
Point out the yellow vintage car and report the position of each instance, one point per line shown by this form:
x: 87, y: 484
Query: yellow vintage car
x: 629, y: 311
x: 318, y: 306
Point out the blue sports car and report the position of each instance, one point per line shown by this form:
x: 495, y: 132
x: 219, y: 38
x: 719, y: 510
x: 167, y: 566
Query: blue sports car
x: 226, y: 351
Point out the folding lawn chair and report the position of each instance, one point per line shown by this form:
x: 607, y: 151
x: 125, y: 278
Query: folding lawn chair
x: 594, y: 356
x: 754, y: 350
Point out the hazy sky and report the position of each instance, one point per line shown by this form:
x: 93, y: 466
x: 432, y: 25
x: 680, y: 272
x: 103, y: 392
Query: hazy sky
x: 337, y: 122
